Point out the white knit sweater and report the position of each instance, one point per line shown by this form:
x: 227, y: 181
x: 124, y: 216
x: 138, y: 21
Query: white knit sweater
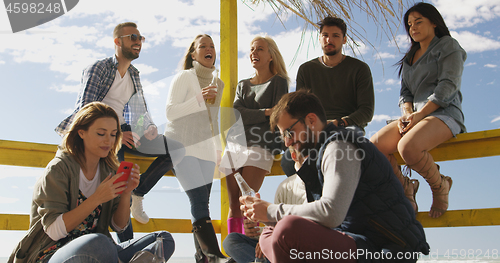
x: 189, y: 121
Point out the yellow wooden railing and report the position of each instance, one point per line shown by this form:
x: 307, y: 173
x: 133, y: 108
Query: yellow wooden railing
x: 464, y: 146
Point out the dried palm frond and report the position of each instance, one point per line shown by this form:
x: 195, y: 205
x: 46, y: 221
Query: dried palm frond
x: 386, y: 14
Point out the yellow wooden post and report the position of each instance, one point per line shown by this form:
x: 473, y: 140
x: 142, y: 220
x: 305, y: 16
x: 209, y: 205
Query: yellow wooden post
x: 229, y: 74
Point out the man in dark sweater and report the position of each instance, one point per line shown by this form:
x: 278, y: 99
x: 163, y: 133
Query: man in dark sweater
x: 343, y: 84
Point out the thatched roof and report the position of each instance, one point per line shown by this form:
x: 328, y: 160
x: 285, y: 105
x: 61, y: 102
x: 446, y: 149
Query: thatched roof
x: 386, y: 14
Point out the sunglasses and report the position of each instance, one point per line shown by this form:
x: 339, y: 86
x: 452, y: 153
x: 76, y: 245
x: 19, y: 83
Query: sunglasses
x: 134, y: 37
x: 287, y: 133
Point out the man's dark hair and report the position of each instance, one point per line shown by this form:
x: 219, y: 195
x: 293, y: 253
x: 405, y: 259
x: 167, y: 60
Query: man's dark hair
x: 298, y: 104
x: 333, y: 21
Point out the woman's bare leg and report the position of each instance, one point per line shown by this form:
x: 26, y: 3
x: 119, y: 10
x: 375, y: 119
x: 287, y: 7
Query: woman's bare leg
x: 414, y: 147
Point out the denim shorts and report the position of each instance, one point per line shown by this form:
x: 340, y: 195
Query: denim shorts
x: 451, y: 123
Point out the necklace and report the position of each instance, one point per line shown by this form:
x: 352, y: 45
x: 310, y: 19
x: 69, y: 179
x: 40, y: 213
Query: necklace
x: 323, y: 61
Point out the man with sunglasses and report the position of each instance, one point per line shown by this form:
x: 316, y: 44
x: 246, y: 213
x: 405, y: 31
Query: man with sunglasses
x: 357, y: 210
x: 115, y: 82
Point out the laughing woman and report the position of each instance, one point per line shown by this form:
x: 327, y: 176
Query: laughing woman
x: 253, y: 154
x: 192, y: 109
x: 430, y: 97
x: 76, y: 200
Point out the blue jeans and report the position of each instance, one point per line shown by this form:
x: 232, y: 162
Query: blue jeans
x: 168, y: 153
x: 196, y: 176
x: 98, y: 248
x: 240, y: 247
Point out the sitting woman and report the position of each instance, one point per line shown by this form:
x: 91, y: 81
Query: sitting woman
x: 251, y: 153
x: 431, y: 73
x: 76, y: 200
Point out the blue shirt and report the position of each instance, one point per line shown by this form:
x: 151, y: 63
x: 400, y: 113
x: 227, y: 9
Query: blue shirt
x: 96, y: 82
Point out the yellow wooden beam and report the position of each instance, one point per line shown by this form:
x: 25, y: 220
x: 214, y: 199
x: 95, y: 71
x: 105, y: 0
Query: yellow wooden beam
x: 466, y: 146
x: 38, y: 155
x: 21, y: 222
x: 26, y: 153
x: 229, y: 75
x: 14, y: 222
x: 458, y: 218
x: 452, y: 218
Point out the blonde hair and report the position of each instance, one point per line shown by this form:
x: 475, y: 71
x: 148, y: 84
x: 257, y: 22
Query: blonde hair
x: 277, y: 65
x: 187, y: 60
x: 73, y: 144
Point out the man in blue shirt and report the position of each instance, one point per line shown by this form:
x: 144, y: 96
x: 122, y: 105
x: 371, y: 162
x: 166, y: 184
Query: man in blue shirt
x: 116, y: 82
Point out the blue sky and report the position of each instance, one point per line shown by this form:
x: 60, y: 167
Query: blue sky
x: 41, y: 69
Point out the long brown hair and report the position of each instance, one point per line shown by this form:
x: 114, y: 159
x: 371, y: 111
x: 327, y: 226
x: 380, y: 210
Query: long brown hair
x: 72, y: 143
x: 187, y: 60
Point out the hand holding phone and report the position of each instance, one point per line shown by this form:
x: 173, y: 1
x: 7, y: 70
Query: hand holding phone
x: 125, y: 168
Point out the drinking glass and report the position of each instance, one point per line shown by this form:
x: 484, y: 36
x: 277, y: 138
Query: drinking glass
x: 213, y: 84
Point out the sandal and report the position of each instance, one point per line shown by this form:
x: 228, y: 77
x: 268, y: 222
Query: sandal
x: 440, y: 196
x: 411, y: 188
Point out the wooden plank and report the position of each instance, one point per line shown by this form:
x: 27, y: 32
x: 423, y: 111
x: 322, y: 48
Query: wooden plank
x: 21, y: 222
x: 229, y: 74
x: 38, y: 155
x: 26, y: 153
x: 14, y: 222
x: 452, y: 218
x: 465, y: 146
x: 170, y: 225
x: 459, y: 218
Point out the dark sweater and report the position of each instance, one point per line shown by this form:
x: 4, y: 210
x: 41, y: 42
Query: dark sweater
x: 345, y: 90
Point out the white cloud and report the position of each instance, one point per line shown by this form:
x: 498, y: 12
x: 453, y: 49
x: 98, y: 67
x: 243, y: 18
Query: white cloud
x: 470, y: 64
x: 490, y: 66
x: 392, y: 81
x: 495, y: 119
x: 67, y: 111
x: 2, y: 62
x: 467, y: 13
x: 475, y: 43
x: 383, y: 55
x: 16, y: 171
x: 145, y: 69
x: 491, y: 83
x: 380, y: 118
x: 8, y: 200
x: 403, y: 42
x: 67, y: 88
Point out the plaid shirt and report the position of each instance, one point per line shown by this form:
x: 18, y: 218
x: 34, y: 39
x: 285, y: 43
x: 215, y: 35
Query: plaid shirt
x: 96, y: 82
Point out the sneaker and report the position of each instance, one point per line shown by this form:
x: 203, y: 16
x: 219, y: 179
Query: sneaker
x: 137, y: 210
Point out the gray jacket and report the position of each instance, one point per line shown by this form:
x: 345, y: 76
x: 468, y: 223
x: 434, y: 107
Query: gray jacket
x: 436, y: 76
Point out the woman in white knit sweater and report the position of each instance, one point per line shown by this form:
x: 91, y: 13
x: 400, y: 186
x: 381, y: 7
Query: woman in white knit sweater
x: 193, y: 121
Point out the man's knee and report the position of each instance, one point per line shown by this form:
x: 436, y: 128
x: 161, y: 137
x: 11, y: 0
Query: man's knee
x: 288, y: 227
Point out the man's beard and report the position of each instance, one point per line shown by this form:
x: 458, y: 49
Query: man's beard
x: 331, y: 53
x: 305, y: 147
x: 129, y: 54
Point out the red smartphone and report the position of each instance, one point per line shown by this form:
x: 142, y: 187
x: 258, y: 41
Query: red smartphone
x: 125, y: 168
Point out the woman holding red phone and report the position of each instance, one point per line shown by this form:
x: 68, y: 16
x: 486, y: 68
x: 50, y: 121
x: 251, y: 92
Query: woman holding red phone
x: 77, y: 199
